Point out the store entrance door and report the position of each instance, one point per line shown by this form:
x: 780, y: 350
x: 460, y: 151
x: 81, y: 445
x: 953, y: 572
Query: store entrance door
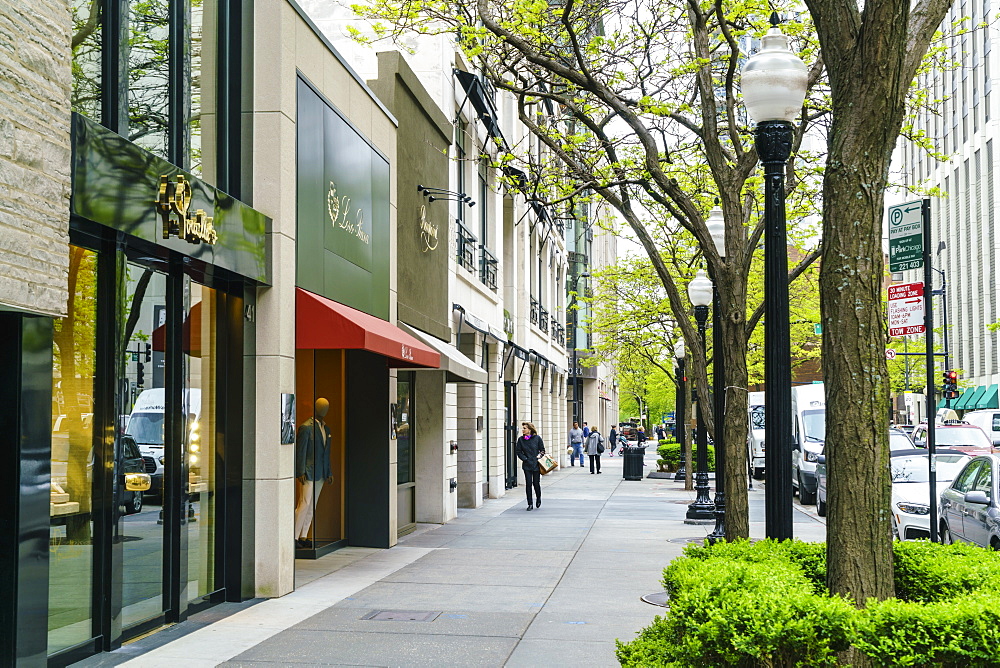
x: 406, y: 487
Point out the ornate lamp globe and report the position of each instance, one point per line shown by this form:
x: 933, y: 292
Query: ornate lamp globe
x: 717, y: 228
x: 700, y: 290
x: 679, y: 349
x: 774, y: 79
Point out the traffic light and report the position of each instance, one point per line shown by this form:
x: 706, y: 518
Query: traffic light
x: 149, y: 353
x: 140, y: 376
x: 950, y: 384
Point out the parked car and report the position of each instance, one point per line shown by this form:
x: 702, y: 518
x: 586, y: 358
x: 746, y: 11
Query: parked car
x: 988, y: 420
x: 808, y: 437
x: 755, y: 435
x: 898, y: 442
x: 911, y: 494
x: 955, y: 435
x: 132, y: 477
x: 969, y: 506
x: 906, y: 428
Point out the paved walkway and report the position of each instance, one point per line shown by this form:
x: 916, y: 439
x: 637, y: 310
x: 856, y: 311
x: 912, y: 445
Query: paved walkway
x: 504, y: 587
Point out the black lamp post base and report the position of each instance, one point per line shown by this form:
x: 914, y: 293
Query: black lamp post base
x: 700, y: 510
x: 681, y: 474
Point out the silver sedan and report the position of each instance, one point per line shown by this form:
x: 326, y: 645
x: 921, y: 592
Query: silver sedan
x: 969, y: 506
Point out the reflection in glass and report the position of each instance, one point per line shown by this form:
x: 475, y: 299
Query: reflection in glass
x: 71, y: 550
x: 204, y: 59
x: 149, y: 75
x: 86, y: 43
x: 404, y: 422
x: 139, y: 527
x: 201, y: 388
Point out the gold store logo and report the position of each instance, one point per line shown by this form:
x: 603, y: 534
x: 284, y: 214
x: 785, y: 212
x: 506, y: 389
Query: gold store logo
x: 173, y: 202
x: 339, y: 210
x: 428, y: 231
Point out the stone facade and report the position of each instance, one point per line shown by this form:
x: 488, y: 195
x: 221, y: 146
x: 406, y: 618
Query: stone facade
x: 35, y: 81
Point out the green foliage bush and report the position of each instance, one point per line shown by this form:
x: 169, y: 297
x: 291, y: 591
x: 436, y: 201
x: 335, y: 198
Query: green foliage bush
x: 766, y: 604
x: 671, y: 453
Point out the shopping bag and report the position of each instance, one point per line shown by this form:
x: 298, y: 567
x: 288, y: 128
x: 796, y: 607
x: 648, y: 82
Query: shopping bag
x: 547, y: 463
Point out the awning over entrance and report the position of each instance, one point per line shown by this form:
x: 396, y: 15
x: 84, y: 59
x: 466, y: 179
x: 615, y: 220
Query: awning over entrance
x: 323, y: 324
x: 963, y: 401
x: 459, y: 368
x: 989, y: 398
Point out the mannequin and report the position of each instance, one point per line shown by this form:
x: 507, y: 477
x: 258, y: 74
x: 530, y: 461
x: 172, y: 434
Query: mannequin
x: 312, y: 467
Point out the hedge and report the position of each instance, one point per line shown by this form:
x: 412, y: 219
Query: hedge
x: 671, y: 454
x: 766, y: 604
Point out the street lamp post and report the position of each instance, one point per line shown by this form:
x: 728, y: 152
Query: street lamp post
x: 774, y: 87
x: 577, y: 380
x: 717, y: 228
x: 680, y: 409
x: 701, y: 510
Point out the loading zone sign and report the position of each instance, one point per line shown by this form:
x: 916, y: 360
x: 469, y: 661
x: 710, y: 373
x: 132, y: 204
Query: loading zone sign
x: 906, y: 236
x: 906, y: 309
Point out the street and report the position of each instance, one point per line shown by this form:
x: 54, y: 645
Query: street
x: 499, y: 586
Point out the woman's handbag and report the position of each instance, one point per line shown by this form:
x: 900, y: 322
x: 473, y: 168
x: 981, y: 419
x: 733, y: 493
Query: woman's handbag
x: 547, y: 464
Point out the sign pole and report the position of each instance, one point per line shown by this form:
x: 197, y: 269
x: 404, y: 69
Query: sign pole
x: 925, y: 213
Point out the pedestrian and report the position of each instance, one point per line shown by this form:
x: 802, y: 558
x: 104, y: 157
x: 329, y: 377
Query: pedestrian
x: 529, y: 449
x: 576, y: 444
x: 586, y: 431
x: 641, y: 437
x: 613, y: 439
x: 660, y: 433
x: 595, y: 448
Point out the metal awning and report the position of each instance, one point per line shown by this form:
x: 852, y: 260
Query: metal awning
x: 963, y: 401
x: 989, y: 398
x: 482, y: 102
x: 458, y: 367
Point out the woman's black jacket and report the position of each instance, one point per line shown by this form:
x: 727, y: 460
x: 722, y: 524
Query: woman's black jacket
x: 527, y: 451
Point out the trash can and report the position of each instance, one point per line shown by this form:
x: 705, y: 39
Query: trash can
x: 632, y: 464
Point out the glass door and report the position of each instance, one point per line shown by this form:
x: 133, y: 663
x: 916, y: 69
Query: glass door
x: 142, y: 399
x: 201, y: 388
x: 406, y: 486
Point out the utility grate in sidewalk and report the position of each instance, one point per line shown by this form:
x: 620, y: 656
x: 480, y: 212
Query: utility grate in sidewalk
x: 400, y: 616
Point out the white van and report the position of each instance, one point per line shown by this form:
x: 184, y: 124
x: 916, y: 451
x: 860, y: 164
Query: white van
x: 808, y: 437
x: 987, y: 419
x: 145, y: 426
x: 755, y: 436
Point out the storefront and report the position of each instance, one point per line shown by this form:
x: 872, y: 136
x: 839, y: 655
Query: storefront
x: 129, y: 512
x: 349, y: 413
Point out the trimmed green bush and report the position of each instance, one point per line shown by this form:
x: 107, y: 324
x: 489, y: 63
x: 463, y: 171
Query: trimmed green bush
x: 671, y: 453
x: 766, y: 604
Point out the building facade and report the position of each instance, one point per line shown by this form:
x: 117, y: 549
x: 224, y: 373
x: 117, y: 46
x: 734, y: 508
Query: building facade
x: 960, y: 123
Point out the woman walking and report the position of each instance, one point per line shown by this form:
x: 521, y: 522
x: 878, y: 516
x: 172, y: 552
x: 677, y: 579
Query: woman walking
x: 613, y: 439
x: 529, y: 449
x: 595, y: 447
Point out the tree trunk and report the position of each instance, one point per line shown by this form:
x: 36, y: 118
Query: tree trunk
x: 734, y: 425
x: 859, y: 545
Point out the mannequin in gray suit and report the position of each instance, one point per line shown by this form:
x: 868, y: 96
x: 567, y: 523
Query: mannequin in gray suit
x: 312, y: 467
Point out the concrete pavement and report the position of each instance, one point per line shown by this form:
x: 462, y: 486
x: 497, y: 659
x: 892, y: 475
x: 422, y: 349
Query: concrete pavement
x: 498, y: 586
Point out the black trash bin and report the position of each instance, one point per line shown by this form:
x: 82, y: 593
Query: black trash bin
x: 632, y: 466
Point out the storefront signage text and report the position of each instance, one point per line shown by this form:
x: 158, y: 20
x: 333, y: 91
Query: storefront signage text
x: 406, y: 353
x: 173, y: 202
x: 428, y: 231
x: 339, y: 209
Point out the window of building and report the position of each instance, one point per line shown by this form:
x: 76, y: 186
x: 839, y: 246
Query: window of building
x: 71, y: 521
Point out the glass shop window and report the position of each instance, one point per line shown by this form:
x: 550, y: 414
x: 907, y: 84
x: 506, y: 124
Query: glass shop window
x: 71, y: 523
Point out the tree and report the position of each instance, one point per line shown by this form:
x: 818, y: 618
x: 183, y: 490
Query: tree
x: 636, y: 103
x: 872, y: 53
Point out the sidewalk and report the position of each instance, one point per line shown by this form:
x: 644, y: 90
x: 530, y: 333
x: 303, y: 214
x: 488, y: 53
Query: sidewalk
x: 501, y: 586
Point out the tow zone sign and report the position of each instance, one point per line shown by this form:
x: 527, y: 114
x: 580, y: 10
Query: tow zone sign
x: 906, y: 309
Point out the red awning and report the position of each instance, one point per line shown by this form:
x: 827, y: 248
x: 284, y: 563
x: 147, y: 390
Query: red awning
x: 323, y: 324
x: 192, y: 334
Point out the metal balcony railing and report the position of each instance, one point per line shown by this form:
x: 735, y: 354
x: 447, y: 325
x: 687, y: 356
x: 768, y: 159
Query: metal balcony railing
x: 534, y: 311
x: 543, y: 320
x: 488, y: 269
x: 466, y: 247
x: 558, y: 332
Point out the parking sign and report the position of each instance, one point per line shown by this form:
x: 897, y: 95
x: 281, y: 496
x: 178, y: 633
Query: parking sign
x: 906, y: 309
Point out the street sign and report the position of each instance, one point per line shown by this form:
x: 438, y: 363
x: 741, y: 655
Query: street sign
x: 890, y: 354
x: 906, y: 309
x: 906, y: 236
